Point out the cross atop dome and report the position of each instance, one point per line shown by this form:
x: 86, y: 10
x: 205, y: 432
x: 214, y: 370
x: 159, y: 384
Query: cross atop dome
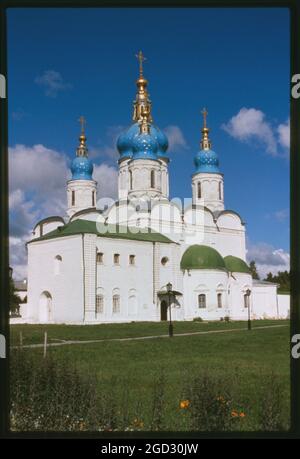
x: 82, y: 122
x: 141, y: 58
x: 205, y: 142
x: 204, y: 113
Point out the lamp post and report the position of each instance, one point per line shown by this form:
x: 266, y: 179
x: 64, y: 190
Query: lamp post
x: 248, y: 293
x: 169, y: 290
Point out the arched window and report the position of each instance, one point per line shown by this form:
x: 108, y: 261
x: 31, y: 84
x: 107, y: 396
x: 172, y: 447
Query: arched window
x: 130, y: 180
x: 57, y: 264
x: 93, y: 199
x: 202, y: 301
x: 132, y: 260
x: 220, y: 305
x: 116, y: 303
x: 73, y: 198
x: 116, y: 259
x: 100, y: 258
x: 99, y: 304
x: 199, y: 190
x: 152, y: 179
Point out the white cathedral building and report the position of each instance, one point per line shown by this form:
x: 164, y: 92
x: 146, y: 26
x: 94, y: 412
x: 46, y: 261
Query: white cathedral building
x: 119, y: 262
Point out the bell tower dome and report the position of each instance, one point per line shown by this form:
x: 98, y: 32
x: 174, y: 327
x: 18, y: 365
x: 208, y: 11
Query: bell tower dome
x: 207, y: 181
x: 81, y: 189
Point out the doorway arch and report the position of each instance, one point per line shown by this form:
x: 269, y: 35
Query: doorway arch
x: 45, y: 307
x: 163, y: 310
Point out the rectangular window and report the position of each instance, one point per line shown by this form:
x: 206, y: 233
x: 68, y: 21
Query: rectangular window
x: 220, y: 300
x: 116, y: 303
x: 99, y: 304
x: 73, y: 198
x: 116, y: 259
x: 132, y: 259
x: 93, y: 199
x: 100, y: 258
x: 220, y: 190
x: 199, y: 190
x: 202, y: 301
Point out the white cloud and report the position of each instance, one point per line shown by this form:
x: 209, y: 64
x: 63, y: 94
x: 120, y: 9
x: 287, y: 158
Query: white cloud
x: 284, y: 134
x: 176, y: 138
x: 53, y: 83
x: 107, y: 178
x: 268, y: 259
x: 250, y: 124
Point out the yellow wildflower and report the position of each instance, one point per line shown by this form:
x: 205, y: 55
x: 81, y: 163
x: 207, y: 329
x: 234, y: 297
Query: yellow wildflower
x: 184, y: 404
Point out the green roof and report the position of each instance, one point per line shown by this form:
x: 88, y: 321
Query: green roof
x: 202, y: 257
x: 236, y: 265
x: 102, y: 230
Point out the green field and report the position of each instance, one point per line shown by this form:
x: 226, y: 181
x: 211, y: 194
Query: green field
x: 249, y: 359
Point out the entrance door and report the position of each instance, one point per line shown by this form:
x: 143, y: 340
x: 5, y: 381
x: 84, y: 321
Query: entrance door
x: 163, y: 310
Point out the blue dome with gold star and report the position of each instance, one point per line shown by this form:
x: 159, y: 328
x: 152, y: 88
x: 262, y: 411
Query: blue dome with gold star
x: 82, y: 168
x: 207, y: 161
x: 126, y: 141
x: 144, y: 146
x: 129, y: 143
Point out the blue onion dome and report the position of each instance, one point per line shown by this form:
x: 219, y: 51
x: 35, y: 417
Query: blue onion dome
x: 207, y: 161
x: 144, y: 146
x: 82, y: 168
x: 126, y: 139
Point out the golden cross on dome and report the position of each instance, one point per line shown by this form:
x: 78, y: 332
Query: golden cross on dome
x: 141, y: 58
x: 82, y: 122
x: 204, y: 113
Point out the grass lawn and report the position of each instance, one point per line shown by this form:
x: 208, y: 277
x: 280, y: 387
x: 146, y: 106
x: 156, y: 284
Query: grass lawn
x: 33, y: 334
x: 129, y: 369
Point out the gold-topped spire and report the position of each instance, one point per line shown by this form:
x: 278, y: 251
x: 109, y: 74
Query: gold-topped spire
x: 205, y: 143
x: 82, y: 148
x: 142, y: 96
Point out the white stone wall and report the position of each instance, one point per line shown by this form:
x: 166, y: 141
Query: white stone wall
x: 209, y: 283
x: 84, y: 190
x: 239, y: 283
x: 284, y: 306
x: 264, y: 301
x: 212, y: 190
x: 65, y: 286
x: 134, y: 180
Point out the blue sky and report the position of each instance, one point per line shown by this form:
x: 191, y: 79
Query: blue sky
x: 68, y: 62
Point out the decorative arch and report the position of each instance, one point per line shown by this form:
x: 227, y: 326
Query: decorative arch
x: 57, y: 265
x: 116, y: 301
x: 132, y: 302
x: 45, y: 307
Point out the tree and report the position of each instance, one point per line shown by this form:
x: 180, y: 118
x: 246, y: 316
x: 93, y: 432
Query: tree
x: 253, y: 270
x: 282, y: 278
x: 14, y: 299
